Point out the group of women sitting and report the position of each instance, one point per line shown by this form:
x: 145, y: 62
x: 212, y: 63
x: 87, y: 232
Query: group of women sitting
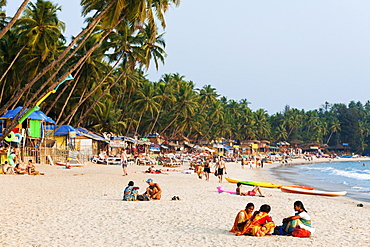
x: 259, y: 223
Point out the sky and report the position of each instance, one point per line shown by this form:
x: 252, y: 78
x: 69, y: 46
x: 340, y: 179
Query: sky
x: 272, y: 53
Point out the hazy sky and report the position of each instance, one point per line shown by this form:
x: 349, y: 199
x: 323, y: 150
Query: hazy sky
x: 273, y: 53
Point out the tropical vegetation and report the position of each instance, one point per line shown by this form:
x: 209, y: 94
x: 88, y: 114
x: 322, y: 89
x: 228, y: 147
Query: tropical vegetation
x: 111, y: 93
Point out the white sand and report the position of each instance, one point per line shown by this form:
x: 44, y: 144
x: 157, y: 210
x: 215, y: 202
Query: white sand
x: 83, y: 207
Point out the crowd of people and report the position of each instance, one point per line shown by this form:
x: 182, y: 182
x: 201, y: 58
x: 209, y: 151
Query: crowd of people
x: 260, y: 223
x: 13, y: 165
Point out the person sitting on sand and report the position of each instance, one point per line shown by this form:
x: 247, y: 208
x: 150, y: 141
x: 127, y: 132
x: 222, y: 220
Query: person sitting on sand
x: 5, y: 167
x: 19, y: 170
x: 31, y: 169
x: 130, y: 193
x: 260, y: 224
x: 253, y: 192
x: 301, y: 219
x: 153, y: 191
x: 242, y: 218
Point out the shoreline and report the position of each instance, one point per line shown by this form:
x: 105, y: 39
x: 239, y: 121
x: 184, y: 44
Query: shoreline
x: 83, y: 207
x: 280, y: 170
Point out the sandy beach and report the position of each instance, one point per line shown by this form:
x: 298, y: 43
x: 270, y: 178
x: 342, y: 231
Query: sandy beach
x: 84, y: 207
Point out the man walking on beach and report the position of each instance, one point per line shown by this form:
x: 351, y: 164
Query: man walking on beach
x: 124, y: 162
x: 220, y: 167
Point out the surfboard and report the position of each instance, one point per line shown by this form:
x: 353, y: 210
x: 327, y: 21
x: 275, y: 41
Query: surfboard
x: 312, y: 192
x: 222, y: 190
x: 250, y: 183
x: 267, y: 185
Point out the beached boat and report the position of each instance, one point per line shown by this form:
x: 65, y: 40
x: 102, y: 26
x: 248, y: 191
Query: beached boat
x: 250, y: 183
x: 312, y: 192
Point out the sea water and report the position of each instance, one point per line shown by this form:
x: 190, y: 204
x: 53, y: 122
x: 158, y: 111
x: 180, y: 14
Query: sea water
x: 353, y: 177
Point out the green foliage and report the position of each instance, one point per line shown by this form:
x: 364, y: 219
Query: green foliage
x: 111, y: 92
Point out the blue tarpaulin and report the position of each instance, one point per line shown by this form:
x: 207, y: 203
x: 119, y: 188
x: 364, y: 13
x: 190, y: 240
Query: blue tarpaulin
x: 90, y: 134
x: 36, y: 115
x: 63, y: 130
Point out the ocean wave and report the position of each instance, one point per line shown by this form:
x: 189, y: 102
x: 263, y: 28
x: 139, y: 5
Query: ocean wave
x: 351, y: 173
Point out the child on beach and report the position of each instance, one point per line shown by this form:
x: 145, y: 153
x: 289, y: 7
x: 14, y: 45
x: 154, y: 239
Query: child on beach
x: 253, y: 192
x: 242, y: 218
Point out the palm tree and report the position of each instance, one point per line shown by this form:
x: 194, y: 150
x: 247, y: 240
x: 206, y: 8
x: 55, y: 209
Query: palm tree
x: 334, y: 127
x: 261, y: 124
x: 106, y: 118
x: 207, y: 95
x: 111, y: 15
x: 15, y: 17
x: 165, y: 100
x: 217, y: 115
x: 146, y: 101
x: 185, y: 103
x: 281, y: 133
x: 41, y: 28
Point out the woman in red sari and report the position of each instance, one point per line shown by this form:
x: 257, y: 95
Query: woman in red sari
x: 242, y: 218
x: 260, y: 224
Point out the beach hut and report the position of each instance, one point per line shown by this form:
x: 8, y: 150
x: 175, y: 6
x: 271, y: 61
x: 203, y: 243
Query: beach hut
x: 92, y: 142
x: 31, y: 134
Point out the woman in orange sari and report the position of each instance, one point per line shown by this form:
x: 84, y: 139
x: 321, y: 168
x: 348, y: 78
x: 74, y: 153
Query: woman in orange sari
x: 260, y: 224
x: 242, y: 218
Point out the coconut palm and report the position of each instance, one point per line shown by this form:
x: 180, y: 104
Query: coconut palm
x: 334, y: 127
x: 146, y: 101
x: 15, y: 17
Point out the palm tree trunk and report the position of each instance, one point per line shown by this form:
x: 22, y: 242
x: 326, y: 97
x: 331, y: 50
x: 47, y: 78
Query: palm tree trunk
x: 155, y: 121
x: 11, y: 64
x: 57, y: 98
x: 177, y: 115
x: 14, y: 19
x: 99, y: 98
x: 138, y: 124
x: 71, y: 116
x: 329, y: 137
x: 14, y: 122
x: 90, y: 28
x: 67, y: 100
